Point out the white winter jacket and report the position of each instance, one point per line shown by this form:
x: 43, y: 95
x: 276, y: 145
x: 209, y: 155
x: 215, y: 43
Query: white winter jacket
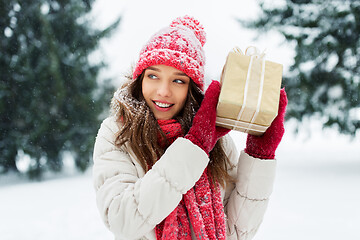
x: 132, y: 203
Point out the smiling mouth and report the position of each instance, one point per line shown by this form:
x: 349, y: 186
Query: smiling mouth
x: 163, y: 105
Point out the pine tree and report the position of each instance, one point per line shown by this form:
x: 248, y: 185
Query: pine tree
x: 324, y: 79
x: 50, y: 99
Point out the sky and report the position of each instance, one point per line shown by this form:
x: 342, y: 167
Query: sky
x: 141, y: 19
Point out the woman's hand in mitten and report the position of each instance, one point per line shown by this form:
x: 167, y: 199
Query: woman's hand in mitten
x: 203, y: 131
x: 264, y: 146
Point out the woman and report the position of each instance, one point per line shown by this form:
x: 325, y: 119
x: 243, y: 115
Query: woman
x: 162, y: 169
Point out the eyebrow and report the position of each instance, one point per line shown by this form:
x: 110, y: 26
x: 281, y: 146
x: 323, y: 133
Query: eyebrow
x: 158, y: 70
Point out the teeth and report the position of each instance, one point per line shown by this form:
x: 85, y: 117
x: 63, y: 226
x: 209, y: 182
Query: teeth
x: 163, y: 105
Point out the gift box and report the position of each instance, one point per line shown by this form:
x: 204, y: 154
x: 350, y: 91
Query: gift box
x: 250, y: 92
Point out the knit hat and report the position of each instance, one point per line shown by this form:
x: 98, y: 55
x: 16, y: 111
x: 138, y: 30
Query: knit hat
x: 180, y: 45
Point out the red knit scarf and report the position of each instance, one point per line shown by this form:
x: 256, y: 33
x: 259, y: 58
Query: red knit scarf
x: 202, y: 204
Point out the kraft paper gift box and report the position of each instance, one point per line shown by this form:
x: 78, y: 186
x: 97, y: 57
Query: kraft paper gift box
x: 250, y: 92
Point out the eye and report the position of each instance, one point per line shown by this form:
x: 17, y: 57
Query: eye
x: 179, y: 81
x: 152, y: 76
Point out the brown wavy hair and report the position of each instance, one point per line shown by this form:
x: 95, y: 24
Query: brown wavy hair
x: 139, y: 127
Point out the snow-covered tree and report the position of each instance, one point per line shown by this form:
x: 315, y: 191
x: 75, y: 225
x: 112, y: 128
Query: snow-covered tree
x: 50, y: 99
x: 324, y: 79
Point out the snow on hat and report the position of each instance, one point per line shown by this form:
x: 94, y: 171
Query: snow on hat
x: 180, y: 45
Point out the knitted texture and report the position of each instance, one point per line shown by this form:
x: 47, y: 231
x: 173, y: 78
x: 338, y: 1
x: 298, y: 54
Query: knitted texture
x: 172, y: 130
x: 264, y: 146
x: 180, y: 45
x: 204, y: 132
x: 202, y: 204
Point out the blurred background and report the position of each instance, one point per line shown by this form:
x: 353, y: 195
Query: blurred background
x: 60, y: 62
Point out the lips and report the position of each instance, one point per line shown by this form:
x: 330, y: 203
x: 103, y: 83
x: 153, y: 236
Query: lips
x: 162, y: 106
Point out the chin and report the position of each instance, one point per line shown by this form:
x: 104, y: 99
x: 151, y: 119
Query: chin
x: 164, y: 117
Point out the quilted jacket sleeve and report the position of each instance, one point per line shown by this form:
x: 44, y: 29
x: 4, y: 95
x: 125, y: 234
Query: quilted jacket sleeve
x: 131, y: 206
x: 247, y: 199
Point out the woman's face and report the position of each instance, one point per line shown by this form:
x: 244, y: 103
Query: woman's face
x: 165, y: 90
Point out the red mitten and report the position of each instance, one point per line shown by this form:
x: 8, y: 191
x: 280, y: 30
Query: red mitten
x: 203, y: 131
x: 264, y: 146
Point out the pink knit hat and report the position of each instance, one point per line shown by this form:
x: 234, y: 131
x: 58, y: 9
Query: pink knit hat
x: 180, y: 45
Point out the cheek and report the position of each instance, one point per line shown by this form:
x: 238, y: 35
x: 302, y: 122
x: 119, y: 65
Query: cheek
x: 146, y: 90
x: 182, y: 97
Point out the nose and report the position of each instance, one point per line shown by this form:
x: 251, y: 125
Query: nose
x: 164, y: 89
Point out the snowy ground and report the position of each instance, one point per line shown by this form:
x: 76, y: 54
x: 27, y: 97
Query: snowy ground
x: 62, y: 208
x: 316, y: 196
